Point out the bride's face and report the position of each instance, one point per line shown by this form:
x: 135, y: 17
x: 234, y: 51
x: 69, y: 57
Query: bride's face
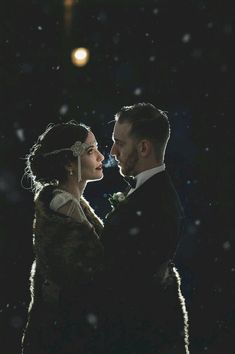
x: 91, y: 160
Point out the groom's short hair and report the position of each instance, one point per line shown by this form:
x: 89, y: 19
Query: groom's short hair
x: 147, y: 122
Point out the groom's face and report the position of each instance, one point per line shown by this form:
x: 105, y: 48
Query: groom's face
x: 124, y: 149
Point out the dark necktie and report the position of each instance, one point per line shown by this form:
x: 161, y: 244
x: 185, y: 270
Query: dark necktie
x: 131, y: 181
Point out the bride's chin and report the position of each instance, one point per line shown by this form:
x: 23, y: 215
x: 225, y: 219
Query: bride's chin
x: 97, y: 178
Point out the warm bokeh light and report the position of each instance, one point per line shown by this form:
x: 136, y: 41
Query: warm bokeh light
x: 68, y: 13
x: 80, y: 56
x: 68, y: 3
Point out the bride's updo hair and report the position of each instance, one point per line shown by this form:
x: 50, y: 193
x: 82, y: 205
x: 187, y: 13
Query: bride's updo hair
x: 50, y: 169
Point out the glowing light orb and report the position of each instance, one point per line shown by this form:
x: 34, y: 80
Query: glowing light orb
x: 68, y: 3
x: 80, y: 56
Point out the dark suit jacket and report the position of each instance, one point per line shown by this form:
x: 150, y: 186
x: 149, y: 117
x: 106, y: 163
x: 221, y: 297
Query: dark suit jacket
x: 140, y: 237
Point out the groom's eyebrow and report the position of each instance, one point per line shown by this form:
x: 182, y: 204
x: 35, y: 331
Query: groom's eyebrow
x: 116, y: 140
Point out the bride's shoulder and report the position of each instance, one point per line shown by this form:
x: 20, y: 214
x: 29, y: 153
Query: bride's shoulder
x: 60, y: 198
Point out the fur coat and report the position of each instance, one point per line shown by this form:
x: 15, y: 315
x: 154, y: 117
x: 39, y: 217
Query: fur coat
x: 68, y: 256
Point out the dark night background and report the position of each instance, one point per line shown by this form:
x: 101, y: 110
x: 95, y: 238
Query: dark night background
x: 177, y: 55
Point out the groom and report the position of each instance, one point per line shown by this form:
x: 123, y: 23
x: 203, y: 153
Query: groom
x: 144, y: 310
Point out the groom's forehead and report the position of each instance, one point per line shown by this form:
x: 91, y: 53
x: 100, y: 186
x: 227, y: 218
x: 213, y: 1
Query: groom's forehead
x: 121, y: 130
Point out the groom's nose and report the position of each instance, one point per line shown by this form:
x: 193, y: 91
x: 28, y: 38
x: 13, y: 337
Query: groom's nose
x: 113, y: 150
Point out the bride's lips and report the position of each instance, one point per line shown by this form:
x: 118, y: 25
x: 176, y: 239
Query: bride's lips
x: 99, y: 167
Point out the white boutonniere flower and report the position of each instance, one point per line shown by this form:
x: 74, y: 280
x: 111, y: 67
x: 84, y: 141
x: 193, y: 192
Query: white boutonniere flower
x: 116, y: 199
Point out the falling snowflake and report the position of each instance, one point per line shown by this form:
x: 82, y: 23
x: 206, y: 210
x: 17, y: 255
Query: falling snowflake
x: 134, y: 231
x: 64, y: 109
x: 138, y: 91
x: 186, y: 37
x: 226, y: 246
x: 92, y: 319
x: 223, y: 68
x: 20, y: 134
x: 16, y: 322
x: 56, y: 67
x: 228, y: 28
x: 197, y: 53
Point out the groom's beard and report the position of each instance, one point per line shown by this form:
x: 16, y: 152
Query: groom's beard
x: 129, y: 167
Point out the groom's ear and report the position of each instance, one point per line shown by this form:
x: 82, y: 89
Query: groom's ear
x: 144, y: 147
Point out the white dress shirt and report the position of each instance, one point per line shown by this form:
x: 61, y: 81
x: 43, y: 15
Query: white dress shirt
x: 145, y: 175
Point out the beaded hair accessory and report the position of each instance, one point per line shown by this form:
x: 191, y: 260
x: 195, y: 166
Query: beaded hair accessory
x: 78, y: 148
